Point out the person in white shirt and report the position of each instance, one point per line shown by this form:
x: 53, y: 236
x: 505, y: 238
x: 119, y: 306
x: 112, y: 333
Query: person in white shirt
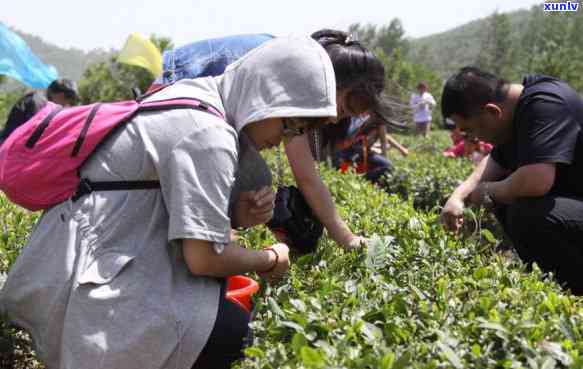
x: 422, y: 105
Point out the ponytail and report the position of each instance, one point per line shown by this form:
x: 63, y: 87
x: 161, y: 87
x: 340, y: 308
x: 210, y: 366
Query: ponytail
x: 355, y: 67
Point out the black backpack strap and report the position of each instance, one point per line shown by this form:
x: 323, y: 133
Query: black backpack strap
x: 180, y: 103
x: 136, y: 93
x: 36, y: 135
x: 86, y: 186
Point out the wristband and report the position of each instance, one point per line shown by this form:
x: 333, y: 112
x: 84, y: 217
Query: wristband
x: 274, y: 264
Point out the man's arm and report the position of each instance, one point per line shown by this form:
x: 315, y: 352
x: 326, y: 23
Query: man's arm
x: 488, y: 170
x: 453, y: 210
x: 532, y: 180
x: 548, y: 135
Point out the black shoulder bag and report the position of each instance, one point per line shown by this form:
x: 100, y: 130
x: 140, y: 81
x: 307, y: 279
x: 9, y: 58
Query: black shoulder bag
x: 293, y: 217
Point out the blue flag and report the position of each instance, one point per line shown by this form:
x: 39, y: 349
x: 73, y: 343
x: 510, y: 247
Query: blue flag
x: 19, y: 62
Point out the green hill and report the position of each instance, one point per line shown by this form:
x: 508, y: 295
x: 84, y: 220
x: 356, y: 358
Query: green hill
x: 447, y: 51
x: 538, y: 43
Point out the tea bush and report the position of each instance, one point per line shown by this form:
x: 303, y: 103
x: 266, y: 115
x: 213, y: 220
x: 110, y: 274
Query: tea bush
x: 426, y: 177
x: 417, y: 297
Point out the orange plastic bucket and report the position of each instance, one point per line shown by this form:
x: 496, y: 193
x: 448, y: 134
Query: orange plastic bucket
x: 240, y: 289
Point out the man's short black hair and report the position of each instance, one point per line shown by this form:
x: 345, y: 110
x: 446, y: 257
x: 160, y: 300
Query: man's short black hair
x: 467, y: 91
x: 65, y: 86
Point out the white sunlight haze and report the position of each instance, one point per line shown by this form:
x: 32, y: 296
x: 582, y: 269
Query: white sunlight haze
x: 107, y: 23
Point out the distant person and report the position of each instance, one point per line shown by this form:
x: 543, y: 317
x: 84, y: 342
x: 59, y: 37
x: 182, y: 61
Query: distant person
x: 467, y: 146
x: 63, y: 92
x: 476, y: 149
x: 533, y: 178
x: 353, y: 140
x: 456, y: 135
x: 21, y: 111
x: 422, y: 104
x: 60, y: 91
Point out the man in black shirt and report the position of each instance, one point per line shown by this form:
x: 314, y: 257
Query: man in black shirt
x: 533, y: 179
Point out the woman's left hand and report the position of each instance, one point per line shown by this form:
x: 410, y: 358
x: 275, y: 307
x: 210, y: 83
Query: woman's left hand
x: 254, y: 207
x: 356, y: 243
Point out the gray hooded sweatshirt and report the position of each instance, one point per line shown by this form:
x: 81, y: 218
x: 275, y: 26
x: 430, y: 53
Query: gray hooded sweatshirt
x: 102, y: 282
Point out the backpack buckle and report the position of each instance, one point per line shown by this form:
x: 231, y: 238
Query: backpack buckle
x: 83, y: 188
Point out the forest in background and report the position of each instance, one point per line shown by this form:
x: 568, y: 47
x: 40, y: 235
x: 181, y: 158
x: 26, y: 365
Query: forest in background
x: 507, y: 44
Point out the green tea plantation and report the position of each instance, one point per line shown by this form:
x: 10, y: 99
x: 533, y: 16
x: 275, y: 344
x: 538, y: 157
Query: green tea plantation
x: 416, y: 297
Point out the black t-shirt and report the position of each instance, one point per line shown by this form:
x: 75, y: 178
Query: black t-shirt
x: 547, y: 128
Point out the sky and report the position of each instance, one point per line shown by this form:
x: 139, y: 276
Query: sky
x: 106, y: 24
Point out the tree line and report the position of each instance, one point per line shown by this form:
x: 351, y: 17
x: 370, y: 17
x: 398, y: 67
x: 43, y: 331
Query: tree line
x: 546, y: 43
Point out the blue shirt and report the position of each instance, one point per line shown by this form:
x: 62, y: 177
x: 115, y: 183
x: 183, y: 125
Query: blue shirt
x: 207, y: 57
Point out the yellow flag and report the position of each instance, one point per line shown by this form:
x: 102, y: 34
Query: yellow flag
x: 140, y: 51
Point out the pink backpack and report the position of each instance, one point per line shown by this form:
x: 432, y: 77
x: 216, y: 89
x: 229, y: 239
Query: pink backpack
x: 40, y: 160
